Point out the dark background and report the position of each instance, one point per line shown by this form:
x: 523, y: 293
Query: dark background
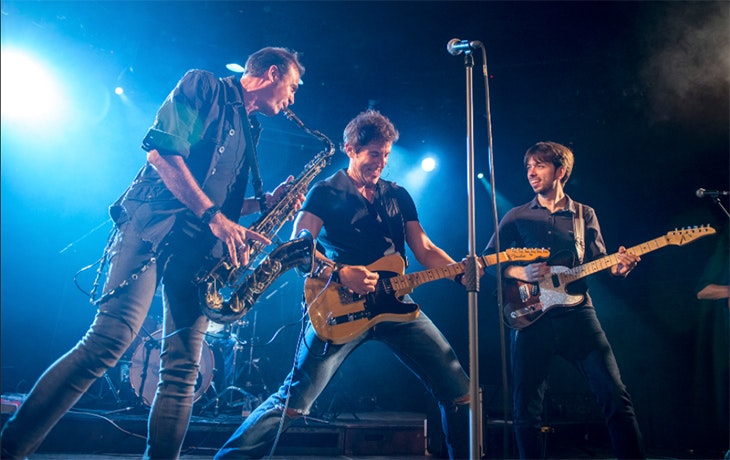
x: 639, y: 90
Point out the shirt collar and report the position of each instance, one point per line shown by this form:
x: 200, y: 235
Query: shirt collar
x: 236, y: 93
x: 236, y: 100
x: 569, y: 204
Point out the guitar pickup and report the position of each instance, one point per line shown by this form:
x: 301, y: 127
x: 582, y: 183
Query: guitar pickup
x: 528, y: 290
x: 347, y: 296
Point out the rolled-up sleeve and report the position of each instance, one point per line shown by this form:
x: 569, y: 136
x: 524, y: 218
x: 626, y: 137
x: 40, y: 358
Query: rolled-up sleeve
x: 178, y: 123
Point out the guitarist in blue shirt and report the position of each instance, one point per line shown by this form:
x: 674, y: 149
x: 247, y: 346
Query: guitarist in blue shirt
x: 358, y: 218
x: 571, y: 231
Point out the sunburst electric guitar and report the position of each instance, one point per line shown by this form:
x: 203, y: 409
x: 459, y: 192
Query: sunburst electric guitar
x: 526, y: 302
x: 338, y: 315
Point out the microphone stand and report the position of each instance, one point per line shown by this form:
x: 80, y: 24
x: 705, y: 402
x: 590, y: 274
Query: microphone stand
x: 716, y: 199
x: 471, y: 275
x: 498, y: 249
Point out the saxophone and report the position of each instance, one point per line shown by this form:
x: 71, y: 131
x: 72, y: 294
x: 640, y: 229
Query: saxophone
x: 226, y: 292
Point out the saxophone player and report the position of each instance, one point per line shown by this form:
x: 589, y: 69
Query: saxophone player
x: 188, y: 195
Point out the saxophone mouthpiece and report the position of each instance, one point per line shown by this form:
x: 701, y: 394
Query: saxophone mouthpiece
x: 292, y: 117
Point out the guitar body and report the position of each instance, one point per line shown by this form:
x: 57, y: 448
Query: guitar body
x: 526, y: 302
x: 338, y: 315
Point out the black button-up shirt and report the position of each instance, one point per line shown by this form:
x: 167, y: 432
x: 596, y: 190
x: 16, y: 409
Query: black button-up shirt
x: 533, y: 226
x: 202, y: 121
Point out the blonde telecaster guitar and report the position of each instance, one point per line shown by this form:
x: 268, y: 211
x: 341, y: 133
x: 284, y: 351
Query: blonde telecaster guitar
x: 338, y: 315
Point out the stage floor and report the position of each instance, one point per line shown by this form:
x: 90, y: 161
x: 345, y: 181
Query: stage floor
x: 100, y: 434
x: 85, y: 434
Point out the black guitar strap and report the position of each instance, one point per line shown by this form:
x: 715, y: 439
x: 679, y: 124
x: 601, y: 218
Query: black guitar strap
x: 393, y: 217
x: 579, y: 232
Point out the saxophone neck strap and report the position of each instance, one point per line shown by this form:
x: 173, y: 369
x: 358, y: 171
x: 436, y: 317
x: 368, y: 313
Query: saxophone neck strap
x: 253, y: 162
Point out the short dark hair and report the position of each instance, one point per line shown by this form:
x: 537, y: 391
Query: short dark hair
x: 552, y: 152
x: 366, y: 127
x: 283, y: 58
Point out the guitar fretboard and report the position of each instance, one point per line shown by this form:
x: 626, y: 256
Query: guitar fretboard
x: 412, y: 280
x: 677, y: 237
x: 603, y: 263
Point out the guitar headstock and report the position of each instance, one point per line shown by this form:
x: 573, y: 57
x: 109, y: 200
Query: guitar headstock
x: 526, y: 254
x: 689, y: 234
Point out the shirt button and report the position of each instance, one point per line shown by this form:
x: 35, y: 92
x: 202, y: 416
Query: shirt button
x: 231, y: 132
x: 212, y: 171
x: 221, y: 149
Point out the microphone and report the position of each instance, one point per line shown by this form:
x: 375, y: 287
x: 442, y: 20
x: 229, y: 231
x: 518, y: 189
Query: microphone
x: 701, y: 193
x: 456, y: 46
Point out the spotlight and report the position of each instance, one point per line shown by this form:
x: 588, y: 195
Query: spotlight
x: 428, y: 164
x: 233, y: 67
x: 31, y: 91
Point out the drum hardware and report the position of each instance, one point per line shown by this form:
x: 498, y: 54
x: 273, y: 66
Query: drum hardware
x: 235, y: 386
x: 247, y: 403
x: 113, y: 388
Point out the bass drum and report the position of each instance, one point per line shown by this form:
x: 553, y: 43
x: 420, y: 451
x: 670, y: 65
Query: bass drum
x: 144, y: 371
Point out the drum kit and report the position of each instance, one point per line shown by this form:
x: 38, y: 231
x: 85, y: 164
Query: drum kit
x: 229, y: 378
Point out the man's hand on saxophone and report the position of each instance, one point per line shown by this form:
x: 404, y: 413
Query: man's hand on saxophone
x: 235, y: 237
x: 252, y: 205
x: 280, y: 192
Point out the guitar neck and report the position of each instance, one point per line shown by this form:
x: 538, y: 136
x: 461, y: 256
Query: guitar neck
x: 411, y: 280
x: 603, y: 263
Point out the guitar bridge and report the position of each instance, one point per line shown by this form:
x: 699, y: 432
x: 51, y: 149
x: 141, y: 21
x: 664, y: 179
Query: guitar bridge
x: 528, y: 310
x: 348, y: 318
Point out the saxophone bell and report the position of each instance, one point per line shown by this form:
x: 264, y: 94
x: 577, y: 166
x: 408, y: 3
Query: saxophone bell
x: 224, y: 305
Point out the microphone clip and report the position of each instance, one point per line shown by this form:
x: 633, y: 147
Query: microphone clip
x: 456, y: 46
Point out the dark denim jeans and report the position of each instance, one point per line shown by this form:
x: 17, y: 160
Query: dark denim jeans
x: 577, y: 336
x: 120, y: 316
x: 418, y: 344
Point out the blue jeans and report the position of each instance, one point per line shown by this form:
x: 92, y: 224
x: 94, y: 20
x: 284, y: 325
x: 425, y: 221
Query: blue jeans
x: 418, y: 344
x: 135, y: 269
x: 577, y: 336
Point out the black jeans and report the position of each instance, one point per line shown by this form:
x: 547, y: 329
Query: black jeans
x: 577, y: 336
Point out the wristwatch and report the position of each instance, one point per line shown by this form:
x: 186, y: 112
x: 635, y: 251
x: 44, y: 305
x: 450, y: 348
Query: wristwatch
x: 335, y: 273
x: 209, y: 213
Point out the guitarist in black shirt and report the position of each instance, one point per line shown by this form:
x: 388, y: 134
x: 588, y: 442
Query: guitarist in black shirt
x: 571, y: 231
x: 357, y: 219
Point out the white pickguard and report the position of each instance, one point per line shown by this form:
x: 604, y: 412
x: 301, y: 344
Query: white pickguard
x: 552, y: 290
